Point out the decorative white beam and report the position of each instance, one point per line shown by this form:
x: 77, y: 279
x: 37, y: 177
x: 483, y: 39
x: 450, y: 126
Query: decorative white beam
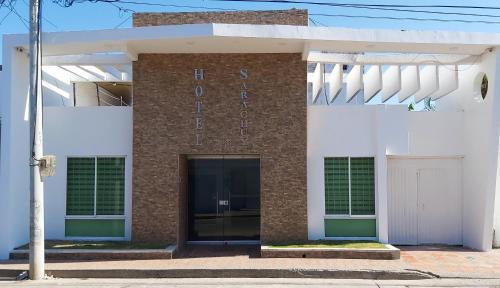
x: 390, y: 59
x: 391, y: 82
x: 372, y: 80
x: 410, y: 82
x: 335, y: 82
x: 448, y: 81
x: 317, y: 81
x: 131, y: 53
x: 87, y: 59
x: 354, y: 82
x: 429, y: 82
x: 114, y: 72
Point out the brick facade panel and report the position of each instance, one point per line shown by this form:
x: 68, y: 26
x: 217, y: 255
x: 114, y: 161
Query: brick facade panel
x: 164, y: 130
x: 296, y: 17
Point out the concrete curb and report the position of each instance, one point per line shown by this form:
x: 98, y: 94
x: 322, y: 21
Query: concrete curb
x: 232, y: 273
x: 390, y: 253
x: 100, y: 254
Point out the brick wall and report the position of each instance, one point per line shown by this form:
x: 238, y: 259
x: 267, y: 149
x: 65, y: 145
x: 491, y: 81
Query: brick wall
x: 281, y: 17
x: 164, y: 129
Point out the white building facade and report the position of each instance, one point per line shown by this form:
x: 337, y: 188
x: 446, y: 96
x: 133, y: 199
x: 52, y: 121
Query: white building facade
x: 374, y: 169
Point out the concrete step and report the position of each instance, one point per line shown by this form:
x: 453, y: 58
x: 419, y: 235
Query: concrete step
x: 99, y: 254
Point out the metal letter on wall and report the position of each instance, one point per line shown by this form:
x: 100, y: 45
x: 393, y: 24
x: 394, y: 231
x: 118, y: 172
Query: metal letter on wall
x: 198, y: 104
x: 243, y: 107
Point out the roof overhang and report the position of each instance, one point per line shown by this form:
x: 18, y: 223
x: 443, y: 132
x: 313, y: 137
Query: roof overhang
x: 242, y: 38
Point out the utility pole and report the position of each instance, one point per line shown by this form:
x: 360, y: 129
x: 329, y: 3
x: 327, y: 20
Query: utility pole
x: 37, y: 249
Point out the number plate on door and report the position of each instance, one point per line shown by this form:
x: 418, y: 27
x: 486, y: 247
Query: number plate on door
x: 224, y: 202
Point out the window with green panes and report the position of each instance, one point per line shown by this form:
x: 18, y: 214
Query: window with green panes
x: 110, y: 186
x: 349, y: 186
x: 95, y: 186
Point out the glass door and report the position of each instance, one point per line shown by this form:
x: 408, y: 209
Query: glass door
x: 242, y: 189
x: 224, y: 199
x: 205, y: 182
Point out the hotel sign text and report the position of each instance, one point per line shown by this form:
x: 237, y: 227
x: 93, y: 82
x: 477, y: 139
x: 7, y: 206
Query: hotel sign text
x: 243, y: 107
x: 198, y: 104
x: 199, y: 94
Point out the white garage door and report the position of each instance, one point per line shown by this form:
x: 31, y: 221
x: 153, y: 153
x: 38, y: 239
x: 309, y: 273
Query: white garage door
x: 425, y: 201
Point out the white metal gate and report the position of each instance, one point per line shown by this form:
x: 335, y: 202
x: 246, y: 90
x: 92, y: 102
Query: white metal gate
x: 425, y: 201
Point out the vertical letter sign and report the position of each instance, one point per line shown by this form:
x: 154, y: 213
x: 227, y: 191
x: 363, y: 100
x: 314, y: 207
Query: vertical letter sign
x: 243, y: 107
x: 198, y: 93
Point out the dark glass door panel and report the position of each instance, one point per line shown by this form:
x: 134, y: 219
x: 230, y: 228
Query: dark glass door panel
x: 242, y: 189
x: 204, y: 183
x: 224, y: 199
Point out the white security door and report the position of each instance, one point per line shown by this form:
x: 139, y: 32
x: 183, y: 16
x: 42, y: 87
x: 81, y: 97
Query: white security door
x: 425, y: 201
x: 402, y: 195
x: 440, y: 203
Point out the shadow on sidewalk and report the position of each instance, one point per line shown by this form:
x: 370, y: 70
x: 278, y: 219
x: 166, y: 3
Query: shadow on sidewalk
x: 437, y: 248
x: 204, y: 251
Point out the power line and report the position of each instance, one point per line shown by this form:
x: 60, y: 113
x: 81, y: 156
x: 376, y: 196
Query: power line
x: 366, y: 6
x: 44, y: 18
x: 385, y: 7
x: 6, y: 15
x: 337, y: 4
x: 406, y: 18
x: 173, y: 5
x: 120, y: 11
x: 69, y: 3
x: 21, y: 18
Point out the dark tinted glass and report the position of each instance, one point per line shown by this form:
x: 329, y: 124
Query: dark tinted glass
x: 224, y: 199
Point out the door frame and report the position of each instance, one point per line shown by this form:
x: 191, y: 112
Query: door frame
x: 222, y: 157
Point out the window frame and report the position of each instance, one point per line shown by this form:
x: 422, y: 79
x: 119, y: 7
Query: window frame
x: 95, y: 216
x: 350, y: 215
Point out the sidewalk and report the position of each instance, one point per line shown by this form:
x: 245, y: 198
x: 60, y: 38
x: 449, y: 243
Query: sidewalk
x: 415, y: 263
x: 450, y: 262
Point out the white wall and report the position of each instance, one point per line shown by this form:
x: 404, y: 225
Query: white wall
x: 68, y: 131
x: 376, y: 131
x: 465, y: 126
x: 84, y: 131
x: 14, y: 165
x: 481, y: 124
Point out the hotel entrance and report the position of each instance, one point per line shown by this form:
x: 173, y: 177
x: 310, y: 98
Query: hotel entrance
x: 224, y: 198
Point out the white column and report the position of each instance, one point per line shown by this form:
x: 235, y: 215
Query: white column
x: 14, y: 172
x: 381, y: 176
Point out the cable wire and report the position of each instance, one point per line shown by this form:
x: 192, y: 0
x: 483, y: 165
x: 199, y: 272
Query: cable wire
x: 365, y: 6
x: 405, y: 18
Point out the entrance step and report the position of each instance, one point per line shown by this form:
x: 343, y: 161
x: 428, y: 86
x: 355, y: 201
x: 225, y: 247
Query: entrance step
x: 390, y: 253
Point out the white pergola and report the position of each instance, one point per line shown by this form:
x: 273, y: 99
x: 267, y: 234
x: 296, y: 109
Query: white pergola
x: 416, y: 64
x: 406, y: 75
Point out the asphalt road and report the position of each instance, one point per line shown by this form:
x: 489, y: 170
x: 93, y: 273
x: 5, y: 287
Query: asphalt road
x: 244, y: 283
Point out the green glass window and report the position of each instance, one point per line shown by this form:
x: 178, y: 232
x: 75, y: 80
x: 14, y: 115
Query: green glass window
x: 80, y: 186
x: 95, y: 186
x: 110, y: 186
x: 337, y: 185
x: 350, y: 186
x: 362, y: 186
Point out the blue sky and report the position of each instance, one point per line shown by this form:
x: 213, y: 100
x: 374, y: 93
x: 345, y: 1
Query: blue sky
x: 89, y: 16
